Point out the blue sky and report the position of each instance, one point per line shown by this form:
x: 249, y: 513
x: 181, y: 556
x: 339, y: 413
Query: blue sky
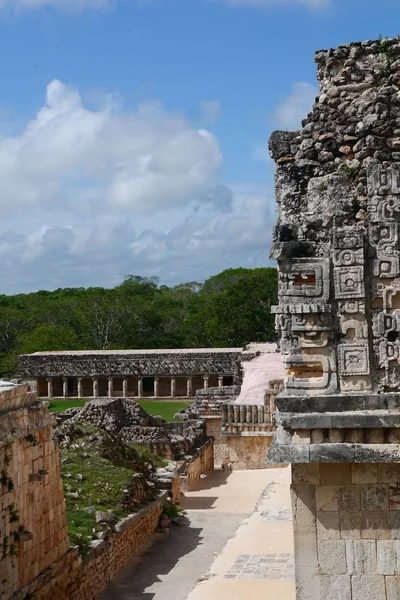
x: 133, y: 133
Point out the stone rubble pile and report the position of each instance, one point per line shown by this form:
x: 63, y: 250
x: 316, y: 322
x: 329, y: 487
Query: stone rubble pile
x: 128, y: 422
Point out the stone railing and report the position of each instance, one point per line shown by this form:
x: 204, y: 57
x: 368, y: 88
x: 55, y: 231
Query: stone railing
x: 251, y: 417
x: 209, y: 402
x: 247, y: 419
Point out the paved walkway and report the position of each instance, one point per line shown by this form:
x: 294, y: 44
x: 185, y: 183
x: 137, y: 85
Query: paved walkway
x: 170, y: 569
x: 258, y: 561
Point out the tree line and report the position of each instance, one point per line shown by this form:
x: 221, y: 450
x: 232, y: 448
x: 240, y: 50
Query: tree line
x: 227, y: 310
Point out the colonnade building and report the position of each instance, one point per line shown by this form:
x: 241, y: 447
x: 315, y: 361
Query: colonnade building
x: 128, y: 373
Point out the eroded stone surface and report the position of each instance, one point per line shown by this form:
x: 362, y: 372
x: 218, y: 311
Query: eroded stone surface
x: 337, y: 244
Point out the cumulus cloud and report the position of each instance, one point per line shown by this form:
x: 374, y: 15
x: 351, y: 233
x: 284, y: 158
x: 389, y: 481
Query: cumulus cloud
x: 89, y: 196
x: 143, y: 160
x: 296, y: 105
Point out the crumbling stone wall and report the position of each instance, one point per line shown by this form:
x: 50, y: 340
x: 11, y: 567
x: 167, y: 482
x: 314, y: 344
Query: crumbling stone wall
x: 338, y: 250
x: 33, y: 522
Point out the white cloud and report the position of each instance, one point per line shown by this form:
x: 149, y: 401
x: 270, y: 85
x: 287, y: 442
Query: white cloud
x: 143, y: 160
x: 296, y: 105
x: 310, y: 4
x: 89, y: 196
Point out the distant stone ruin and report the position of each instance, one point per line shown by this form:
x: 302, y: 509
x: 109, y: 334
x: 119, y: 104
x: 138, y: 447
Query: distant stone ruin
x: 128, y: 373
x: 337, y: 247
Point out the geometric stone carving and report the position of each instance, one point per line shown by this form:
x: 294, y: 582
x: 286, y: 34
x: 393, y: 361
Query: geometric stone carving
x: 304, y: 278
x: 351, y: 306
x: 387, y: 265
x: 310, y: 372
x: 360, y: 328
x: 387, y: 325
x: 384, y: 209
x: 353, y: 359
x: 301, y: 309
x: 348, y: 238
x: 312, y: 330
x: 349, y: 282
x: 347, y: 257
x: 385, y: 238
x: 311, y: 322
x: 384, y: 233
x: 384, y: 180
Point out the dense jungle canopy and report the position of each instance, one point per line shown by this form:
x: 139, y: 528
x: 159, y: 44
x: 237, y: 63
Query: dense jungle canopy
x: 227, y: 310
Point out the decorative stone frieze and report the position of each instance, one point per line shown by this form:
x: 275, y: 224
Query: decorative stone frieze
x: 338, y: 251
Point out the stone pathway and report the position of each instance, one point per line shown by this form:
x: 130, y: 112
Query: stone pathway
x: 258, y: 561
x: 170, y: 568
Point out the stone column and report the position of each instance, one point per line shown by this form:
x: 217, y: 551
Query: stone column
x: 140, y: 387
x: 65, y: 387
x: 49, y: 387
x: 156, y: 387
x: 173, y: 387
x: 110, y: 387
x: 189, y: 387
x: 80, y: 388
x: 220, y: 381
x: 125, y: 388
x: 95, y: 388
x: 205, y: 382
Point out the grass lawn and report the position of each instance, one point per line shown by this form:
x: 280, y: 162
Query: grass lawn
x: 60, y: 405
x: 164, y: 409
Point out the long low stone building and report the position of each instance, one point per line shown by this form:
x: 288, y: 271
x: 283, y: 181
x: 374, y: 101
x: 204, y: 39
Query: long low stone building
x: 128, y: 373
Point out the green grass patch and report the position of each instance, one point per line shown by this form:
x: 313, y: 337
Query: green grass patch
x: 166, y: 410
x: 61, y: 405
x: 96, y: 482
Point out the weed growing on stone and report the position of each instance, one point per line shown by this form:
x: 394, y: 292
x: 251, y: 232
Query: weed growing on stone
x: 91, y: 483
x: 96, y: 481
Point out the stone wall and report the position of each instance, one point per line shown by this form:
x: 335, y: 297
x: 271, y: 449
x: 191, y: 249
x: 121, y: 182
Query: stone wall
x: 200, y: 464
x: 70, y: 578
x: 247, y: 451
x: 129, y: 363
x: 346, y: 521
x: 33, y: 523
x: 221, y: 450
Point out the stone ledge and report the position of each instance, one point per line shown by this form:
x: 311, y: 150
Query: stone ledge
x: 354, y: 402
x: 343, y: 420
x: 133, y: 518
x: 333, y: 453
x: 253, y: 433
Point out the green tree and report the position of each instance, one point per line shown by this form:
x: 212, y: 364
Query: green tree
x: 48, y: 338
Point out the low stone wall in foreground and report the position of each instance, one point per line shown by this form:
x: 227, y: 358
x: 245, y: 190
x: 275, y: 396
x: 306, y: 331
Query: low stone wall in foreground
x: 72, y: 578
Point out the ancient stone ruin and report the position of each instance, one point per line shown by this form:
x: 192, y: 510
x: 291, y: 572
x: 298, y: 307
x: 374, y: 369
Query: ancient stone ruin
x: 337, y: 247
x: 128, y: 373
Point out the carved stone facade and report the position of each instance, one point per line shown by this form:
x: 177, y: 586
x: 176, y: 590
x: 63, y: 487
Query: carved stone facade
x: 128, y: 373
x: 338, y: 252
